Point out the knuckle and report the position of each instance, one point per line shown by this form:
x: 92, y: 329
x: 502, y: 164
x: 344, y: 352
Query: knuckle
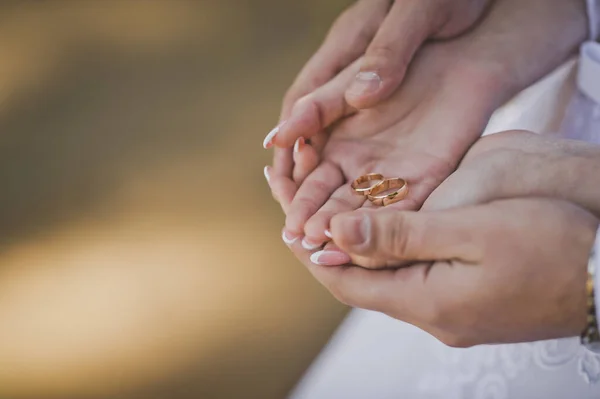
x: 305, y: 205
x: 306, y: 101
x: 401, y: 238
x: 341, y: 203
x: 292, y: 95
x: 316, y: 225
x: 318, y: 186
x: 387, y: 59
x: 301, y: 90
x: 382, y: 50
x: 382, y: 54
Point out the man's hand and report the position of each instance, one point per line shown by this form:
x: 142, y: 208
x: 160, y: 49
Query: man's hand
x: 506, y: 271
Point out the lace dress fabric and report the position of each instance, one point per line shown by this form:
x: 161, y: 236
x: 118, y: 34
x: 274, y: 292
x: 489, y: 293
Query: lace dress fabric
x: 375, y: 357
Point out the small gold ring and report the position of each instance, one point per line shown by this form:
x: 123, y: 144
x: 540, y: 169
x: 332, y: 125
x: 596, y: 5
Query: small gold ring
x: 377, y: 178
x: 400, y: 192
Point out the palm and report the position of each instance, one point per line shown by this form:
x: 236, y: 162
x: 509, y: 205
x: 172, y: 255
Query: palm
x: 419, y: 134
x: 392, y: 155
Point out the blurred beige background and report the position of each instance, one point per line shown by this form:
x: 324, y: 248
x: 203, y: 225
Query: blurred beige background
x: 140, y: 248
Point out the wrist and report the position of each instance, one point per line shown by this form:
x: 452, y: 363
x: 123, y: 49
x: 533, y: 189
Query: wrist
x: 521, y: 41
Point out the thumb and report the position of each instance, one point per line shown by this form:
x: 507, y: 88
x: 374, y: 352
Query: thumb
x: 406, y: 27
x: 394, y: 235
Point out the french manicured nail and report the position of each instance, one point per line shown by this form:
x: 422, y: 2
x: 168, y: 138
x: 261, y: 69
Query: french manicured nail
x: 266, y: 170
x: 299, y: 144
x: 365, y: 83
x: 328, y: 234
x: 288, y: 239
x: 309, y: 246
x: 330, y: 258
x: 268, y: 141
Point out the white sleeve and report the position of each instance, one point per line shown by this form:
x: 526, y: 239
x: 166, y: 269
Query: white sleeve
x: 593, y: 10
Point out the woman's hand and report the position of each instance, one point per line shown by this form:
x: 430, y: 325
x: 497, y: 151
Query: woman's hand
x: 520, y: 39
x: 507, y: 271
x: 361, y: 62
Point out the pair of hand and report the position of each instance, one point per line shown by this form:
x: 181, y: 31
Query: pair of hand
x: 362, y: 62
x: 424, y: 128
x: 498, y: 252
x: 421, y: 132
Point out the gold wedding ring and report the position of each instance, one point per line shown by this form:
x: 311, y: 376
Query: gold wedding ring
x: 374, y: 178
x: 397, y: 184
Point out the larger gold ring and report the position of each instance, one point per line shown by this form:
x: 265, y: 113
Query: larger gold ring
x: 397, y: 184
x: 376, y: 178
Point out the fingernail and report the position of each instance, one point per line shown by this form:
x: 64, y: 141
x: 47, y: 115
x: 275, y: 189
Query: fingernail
x: 357, y: 229
x: 298, y: 144
x: 268, y: 141
x: 330, y: 258
x: 288, y: 239
x: 267, y: 175
x: 328, y: 234
x: 309, y: 246
x: 365, y: 83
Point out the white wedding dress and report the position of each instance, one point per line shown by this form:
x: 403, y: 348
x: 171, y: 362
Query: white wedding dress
x: 372, y: 356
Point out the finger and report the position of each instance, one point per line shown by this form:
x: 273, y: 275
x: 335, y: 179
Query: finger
x: 316, y: 230
x: 346, y: 41
x: 313, y: 193
x: 410, y: 236
x: 316, y: 111
x: 388, y: 56
x: 283, y: 188
x: 306, y: 159
x: 283, y: 161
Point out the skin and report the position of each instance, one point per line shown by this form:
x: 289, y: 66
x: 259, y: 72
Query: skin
x: 507, y: 271
x: 384, y: 36
x: 482, y: 256
x: 422, y: 132
x: 508, y: 165
x: 521, y: 164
